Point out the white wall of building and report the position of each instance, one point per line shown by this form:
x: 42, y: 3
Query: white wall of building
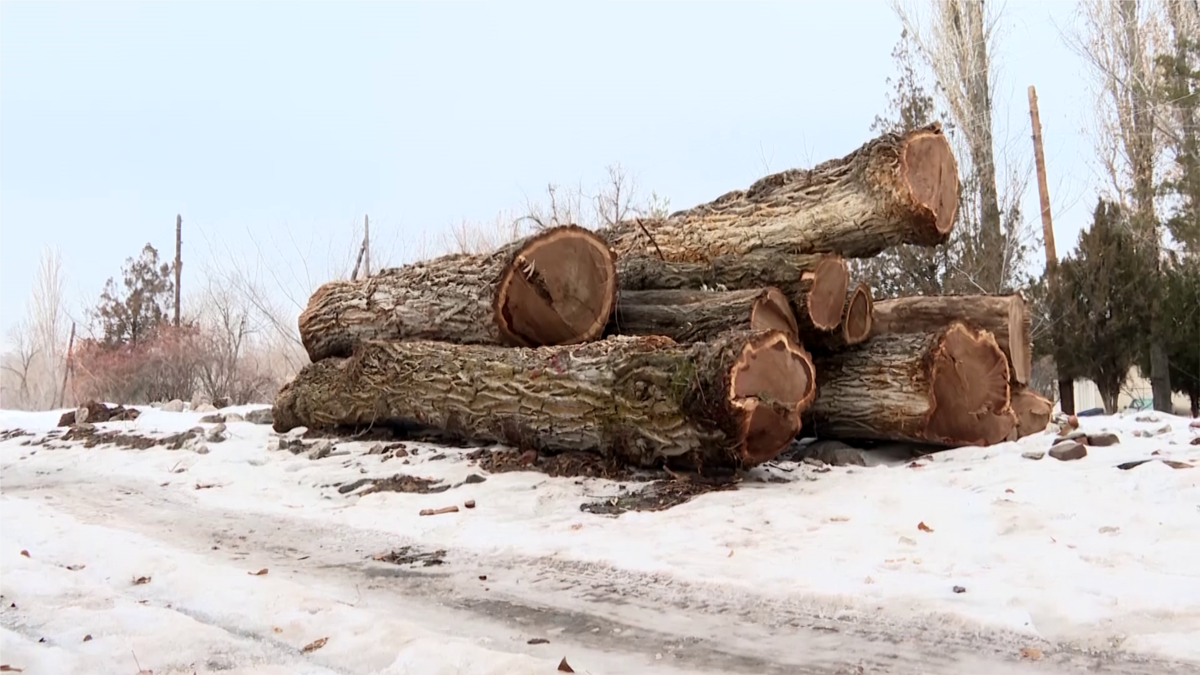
x: 1136, y: 386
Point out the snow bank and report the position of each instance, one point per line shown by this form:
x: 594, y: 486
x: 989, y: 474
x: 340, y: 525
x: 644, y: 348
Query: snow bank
x: 1078, y: 552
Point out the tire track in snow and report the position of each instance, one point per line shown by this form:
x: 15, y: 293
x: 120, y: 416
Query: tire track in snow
x: 697, y: 626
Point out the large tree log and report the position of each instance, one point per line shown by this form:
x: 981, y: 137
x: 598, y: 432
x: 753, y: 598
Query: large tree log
x: 1007, y: 317
x: 854, y: 328
x: 948, y: 387
x: 695, y: 316
x: 815, y: 285
x: 555, y: 287
x: 1033, y: 411
x: 895, y: 189
x: 733, y: 401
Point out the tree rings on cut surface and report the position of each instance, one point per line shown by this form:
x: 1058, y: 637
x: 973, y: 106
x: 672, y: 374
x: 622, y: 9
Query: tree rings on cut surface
x: 827, y: 295
x: 773, y: 382
x: 1006, y: 317
x: 771, y: 311
x: 970, y: 392
x: 559, y: 289
x: 932, y: 175
x: 858, y: 315
x: 1032, y: 410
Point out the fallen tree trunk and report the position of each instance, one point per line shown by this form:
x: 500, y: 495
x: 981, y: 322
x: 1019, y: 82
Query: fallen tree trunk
x: 815, y: 285
x: 895, y: 189
x: 733, y: 401
x: 854, y: 328
x: 1032, y: 410
x: 695, y: 316
x: 948, y: 387
x: 1005, y: 316
x: 553, y: 288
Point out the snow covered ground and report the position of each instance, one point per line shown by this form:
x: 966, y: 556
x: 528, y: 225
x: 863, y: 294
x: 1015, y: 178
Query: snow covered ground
x: 117, y: 560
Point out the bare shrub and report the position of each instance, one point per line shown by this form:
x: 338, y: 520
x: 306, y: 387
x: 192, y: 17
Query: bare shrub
x: 163, y: 366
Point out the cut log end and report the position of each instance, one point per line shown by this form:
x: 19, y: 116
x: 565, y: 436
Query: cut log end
x: 1033, y: 411
x: 827, y: 296
x: 771, y: 311
x: 932, y: 175
x: 970, y: 389
x: 773, y: 383
x: 860, y: 310
x: 559, y: 290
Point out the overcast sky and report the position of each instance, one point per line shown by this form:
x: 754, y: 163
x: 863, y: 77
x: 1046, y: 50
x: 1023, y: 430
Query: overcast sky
x: 292, y: 120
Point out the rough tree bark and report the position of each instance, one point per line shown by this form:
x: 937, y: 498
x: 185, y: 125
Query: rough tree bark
x: 694, y: 316
x: 948, y: 387
x: 894, y: 189
x: 1033, y: 411
x: 733, y: 401
x: 1007, y: 317
x: 553, y: 288
x: 815, y: 285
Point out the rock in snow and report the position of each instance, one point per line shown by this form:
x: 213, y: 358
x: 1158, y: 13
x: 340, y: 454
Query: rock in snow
x: 1068, y: 451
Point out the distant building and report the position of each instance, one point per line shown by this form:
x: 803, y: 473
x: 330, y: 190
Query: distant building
x: 1136, y: 392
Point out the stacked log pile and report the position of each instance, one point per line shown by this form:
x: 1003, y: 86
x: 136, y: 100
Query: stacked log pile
x: 709, y: 338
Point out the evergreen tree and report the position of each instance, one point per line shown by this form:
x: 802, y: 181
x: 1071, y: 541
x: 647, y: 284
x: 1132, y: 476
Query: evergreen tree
x: 131, y: 314
x: 1101, y: 303
x: 1180, y: 74
x: 1181, y: 318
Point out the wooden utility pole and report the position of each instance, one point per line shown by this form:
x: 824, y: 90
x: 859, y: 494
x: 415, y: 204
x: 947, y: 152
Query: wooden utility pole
x: 178, y: 261
x: 67, y: 367
x: 367, y: 245
x: 364, y: 252
x: 1066, y: 385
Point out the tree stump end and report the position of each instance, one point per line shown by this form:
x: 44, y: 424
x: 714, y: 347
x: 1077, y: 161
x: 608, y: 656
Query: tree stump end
x: 929, y: 168
x: 559, y: 289
x: 970, y: 390
x: 772, y: 383
x: 827, y: 295
x: 771, y: 311
x: 859, y: 319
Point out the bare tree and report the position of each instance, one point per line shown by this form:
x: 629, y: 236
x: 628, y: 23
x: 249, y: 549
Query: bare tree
x: 38, y: 357
x: 18, y: 367
x: 232, y: 338
x: 273, y: 280
x: 48, y: 310
x: 1119, y: 41
x: 615, y: 198
x: 956, y: 41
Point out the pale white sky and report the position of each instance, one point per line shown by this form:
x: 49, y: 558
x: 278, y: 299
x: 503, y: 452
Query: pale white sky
x: 292, y: 120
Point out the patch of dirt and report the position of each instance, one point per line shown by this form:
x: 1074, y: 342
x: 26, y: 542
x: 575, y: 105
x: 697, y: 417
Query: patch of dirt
x: 409, y: 484
x: 1169, y: 462
x: 9, y: 434
x: 565, y: 465
x: 657, y: 496
x: 389, y: 451
x: 405, y: 555
x: 386, y: 433
x: 93, y: 437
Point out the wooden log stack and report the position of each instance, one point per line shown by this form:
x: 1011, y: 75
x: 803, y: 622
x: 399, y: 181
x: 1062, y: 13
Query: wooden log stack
x: 707, y: 339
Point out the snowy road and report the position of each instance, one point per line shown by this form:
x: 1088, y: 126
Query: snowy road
x: 203, y: 610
